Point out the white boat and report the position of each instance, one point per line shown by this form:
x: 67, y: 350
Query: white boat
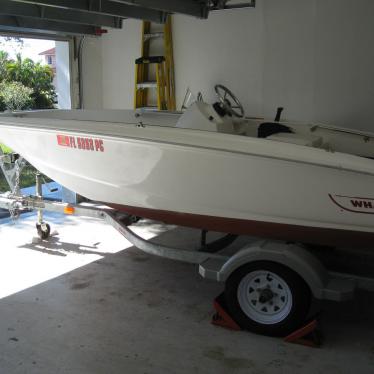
x: 209, y: 167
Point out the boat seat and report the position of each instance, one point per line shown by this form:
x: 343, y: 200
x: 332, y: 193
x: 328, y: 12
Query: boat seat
x: 299, y: 139
x: 267, y: 129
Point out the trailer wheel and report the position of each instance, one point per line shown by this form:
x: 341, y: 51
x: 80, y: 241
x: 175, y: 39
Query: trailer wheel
x: 267, y: 298
x: 44, y: 230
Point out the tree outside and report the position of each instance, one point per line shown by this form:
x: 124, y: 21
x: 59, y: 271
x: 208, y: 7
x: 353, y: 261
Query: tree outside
x: 25, y: 84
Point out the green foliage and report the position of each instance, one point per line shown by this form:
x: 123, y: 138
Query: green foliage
x: 3, y: 74
x: 5, y: 149
x: 16, y: 96
x: 27, y: 179
x: 29, y: 74
x: 4, y: 58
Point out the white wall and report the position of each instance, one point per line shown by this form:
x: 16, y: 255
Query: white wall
x: 318, y: 60
x: 344, y: 68
x: 120, y: 49
x: 93, y: 64
x: 63, y: 74
x: 314, y: 57
x: 227, y: 49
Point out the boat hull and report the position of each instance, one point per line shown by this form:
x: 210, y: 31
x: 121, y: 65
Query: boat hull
x: 213, y: 181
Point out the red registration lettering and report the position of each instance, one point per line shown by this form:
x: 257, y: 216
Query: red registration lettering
x: 72, y: 142
x: 87, y: 144
x: 101, y: 147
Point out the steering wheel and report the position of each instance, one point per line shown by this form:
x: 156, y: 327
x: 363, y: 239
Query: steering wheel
x: 226, y: 97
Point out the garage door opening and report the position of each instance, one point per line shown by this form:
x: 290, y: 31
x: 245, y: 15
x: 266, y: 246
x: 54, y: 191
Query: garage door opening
x: 34, y: 75
x: 40, y: 65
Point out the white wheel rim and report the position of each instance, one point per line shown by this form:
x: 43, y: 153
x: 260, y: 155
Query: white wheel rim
x: 264, y: 297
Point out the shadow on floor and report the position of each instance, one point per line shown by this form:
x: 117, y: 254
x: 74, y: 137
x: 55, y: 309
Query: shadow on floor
x: 54, y: 246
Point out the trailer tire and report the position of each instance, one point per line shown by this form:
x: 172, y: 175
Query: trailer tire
x: 43, y: 230
x: 267, y: 298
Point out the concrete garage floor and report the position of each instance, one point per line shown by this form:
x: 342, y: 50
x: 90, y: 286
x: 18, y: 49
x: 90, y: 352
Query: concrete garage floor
x: 86, y: 302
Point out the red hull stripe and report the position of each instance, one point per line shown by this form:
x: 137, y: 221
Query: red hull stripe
x: 303, y: 234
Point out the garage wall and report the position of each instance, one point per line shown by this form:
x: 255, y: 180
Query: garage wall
x: 318, y: 60
x: 227, y: 48
x: 314, y: 57
x: 344, y: 69
x: 92, y: 70
x: 120, y: 48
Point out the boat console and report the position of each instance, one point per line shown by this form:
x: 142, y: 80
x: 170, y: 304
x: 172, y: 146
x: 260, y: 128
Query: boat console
x: 202, y: 116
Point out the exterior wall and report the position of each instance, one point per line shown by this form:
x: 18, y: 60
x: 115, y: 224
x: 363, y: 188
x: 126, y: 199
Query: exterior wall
x: 313, y: 57
x: 50, y: 60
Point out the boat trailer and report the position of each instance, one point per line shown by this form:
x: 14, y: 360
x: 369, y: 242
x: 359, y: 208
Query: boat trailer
x: 213, y: 266
x: 271, y: 271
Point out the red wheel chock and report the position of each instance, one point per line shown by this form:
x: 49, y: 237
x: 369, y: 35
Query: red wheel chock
x: 221, y: 317
x: 308, y: 335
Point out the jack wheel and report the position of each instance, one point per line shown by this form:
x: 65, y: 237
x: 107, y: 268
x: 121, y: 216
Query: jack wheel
x: 267, y: 298
x: 43, y: 230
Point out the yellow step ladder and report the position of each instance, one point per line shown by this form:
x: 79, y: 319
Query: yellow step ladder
x: 155, y: 72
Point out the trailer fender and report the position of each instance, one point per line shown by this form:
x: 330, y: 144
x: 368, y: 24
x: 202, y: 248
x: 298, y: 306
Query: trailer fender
x: 293, y: 256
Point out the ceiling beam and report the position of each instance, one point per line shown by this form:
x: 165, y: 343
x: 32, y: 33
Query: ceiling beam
x: 35, y: 35
x: 14, y: 8
x: 107, y: 7
x: 222, y: 5
x: 25, y: 24
x: 195, y: 8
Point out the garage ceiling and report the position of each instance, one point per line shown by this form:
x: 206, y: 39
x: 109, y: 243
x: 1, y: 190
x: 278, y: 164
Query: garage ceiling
x: 88, y: 17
